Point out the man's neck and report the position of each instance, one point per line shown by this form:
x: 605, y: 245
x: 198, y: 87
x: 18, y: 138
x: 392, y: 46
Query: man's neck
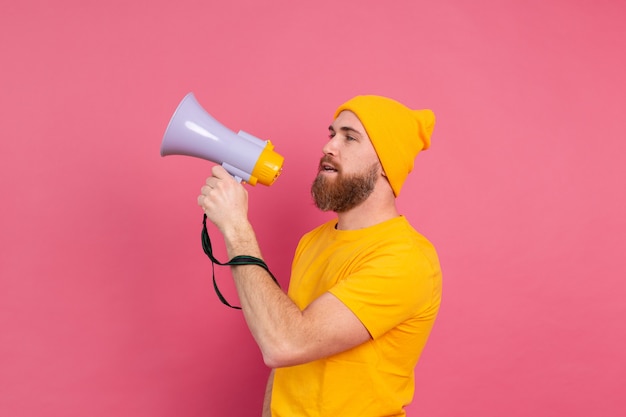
x: 378, y: 208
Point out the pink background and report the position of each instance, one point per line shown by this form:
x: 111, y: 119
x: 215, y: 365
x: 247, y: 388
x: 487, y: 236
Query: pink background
x: 106, y: 304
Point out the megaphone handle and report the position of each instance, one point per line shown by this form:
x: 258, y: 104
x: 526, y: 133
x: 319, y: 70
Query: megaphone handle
x: 236, y: 172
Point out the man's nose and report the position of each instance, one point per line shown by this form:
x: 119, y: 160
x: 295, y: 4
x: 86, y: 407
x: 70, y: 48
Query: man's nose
x: 330, y: 147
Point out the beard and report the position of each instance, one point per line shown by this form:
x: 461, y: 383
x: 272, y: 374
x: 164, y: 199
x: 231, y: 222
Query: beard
x: 345, y: 191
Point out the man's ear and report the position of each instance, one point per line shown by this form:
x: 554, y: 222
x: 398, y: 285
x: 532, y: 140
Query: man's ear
x: 382, y: 171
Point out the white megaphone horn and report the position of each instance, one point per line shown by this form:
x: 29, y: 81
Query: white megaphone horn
x: 194, y: 132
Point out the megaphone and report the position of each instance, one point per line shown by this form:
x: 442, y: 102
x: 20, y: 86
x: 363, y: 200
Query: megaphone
x: 192, y: 131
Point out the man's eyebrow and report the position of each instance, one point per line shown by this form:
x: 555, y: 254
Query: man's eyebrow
x: 345, y: 129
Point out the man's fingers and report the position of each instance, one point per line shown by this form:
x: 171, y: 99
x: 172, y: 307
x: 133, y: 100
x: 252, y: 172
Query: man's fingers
x: 220, y: 173
x: 205, y: 192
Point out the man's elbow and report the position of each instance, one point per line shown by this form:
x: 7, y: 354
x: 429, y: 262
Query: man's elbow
x: 283, y: 355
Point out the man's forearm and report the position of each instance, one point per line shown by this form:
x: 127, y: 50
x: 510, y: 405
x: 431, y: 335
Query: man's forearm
x: 274, y: 320
x: 271, y: 315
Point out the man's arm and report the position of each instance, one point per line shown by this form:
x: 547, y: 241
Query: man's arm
x: 286, y: 335
x: 267, y: 401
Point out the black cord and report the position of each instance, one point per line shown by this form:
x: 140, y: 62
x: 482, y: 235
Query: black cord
x: 237, y: 260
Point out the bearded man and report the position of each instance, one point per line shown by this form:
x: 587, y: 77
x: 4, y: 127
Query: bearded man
x: 365, y: 287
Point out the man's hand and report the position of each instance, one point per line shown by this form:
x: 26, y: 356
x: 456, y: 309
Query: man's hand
x: 224, y: 200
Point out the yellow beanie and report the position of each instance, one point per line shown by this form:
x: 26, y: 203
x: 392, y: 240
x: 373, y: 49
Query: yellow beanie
x: 397, y: 133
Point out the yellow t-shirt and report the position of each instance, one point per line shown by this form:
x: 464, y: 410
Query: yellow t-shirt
x: 389, y: 276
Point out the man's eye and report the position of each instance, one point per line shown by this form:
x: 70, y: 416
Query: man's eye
x: 331, y: 135
x: 348, y: 137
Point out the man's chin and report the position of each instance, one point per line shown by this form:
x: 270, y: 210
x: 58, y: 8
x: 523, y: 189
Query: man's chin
x: 327, y: 175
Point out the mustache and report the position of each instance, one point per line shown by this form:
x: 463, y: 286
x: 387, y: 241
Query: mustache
x: 327, y: 160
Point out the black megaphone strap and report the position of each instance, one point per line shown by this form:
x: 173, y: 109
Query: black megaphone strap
x: 237, y: 260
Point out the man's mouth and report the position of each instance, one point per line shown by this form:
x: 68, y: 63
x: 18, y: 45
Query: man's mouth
x: 325, y: 167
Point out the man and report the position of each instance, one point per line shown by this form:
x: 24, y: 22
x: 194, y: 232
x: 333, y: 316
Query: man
x: 365, y: 287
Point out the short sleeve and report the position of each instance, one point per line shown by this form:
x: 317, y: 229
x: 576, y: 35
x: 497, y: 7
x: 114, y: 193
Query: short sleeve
x: 388, y: 288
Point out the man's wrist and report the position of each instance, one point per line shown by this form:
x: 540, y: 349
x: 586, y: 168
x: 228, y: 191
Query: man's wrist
x: 241, y: 240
